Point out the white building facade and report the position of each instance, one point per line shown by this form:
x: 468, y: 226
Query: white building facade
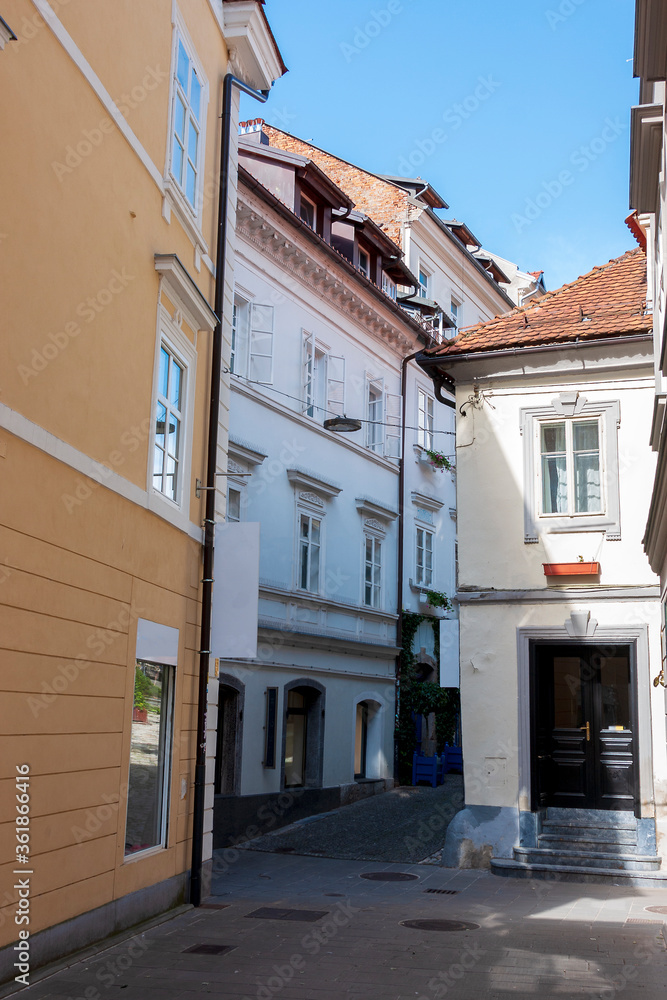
x: 563, y: 729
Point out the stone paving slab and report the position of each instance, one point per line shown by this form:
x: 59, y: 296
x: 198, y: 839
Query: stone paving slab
x: 549, y: 940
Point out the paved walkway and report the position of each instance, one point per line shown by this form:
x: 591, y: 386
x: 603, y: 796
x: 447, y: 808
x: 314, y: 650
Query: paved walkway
x: 526, y: 939
x: 406, y: 824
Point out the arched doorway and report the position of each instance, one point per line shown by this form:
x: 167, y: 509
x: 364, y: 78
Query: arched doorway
x: 231, y: 695
x: 303, y: 734
x: 368, y: 757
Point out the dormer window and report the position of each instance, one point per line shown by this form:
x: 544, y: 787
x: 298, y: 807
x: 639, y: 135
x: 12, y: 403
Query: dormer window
x: 424, y: 283
x: 308, y: 212
x: 388, y: 286
x: 364, y: 262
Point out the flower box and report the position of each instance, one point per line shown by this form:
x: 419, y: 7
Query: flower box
x: 572, y: 569
x: 139, y: 715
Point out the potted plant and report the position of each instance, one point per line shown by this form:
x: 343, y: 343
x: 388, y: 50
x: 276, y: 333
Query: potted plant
x: 438, y: 460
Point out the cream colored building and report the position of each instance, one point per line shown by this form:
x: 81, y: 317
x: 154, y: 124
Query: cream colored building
x: 111, y: 140
x: 563, y: 727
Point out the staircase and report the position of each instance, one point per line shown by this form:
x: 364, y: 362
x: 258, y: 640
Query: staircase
x: 587, y: 845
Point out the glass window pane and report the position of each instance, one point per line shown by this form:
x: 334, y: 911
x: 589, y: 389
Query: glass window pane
x: 190, y: 184
x: 615, y: 688
x: 174, y: 435
x: 585, y: 435
x: 176, y: 384
x: 158, y: 465
x: 303, y: 574
x: 305, y: 525
x: 234, y: 505
x: 588, y: 496
x: 568, y: 708
x: 193, y: 137
x: 195, y: 95
x: 183, y: 67
x: 164, y: 373
x: 554, y: 485
x: 314, y: 581
x: 179, y: 120
x: 149, y: 758
x: 315, y: 531
x: 177, y: 165
x: 160, y: 424
x: 553, y: 438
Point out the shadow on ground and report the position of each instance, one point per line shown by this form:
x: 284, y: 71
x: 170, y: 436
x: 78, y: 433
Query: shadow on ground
x: 407, y: 824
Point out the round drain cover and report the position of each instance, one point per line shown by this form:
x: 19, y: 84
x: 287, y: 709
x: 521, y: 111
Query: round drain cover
x: 656, y: 909
x: 440, y: 925
x: 390, y: 876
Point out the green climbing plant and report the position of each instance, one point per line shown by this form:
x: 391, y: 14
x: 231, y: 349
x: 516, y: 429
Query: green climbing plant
x: 420, y: 697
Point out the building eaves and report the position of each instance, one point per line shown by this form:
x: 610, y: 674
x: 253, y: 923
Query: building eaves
x: 457, y: 242
x: 418, y: 187
x: 251, y: 182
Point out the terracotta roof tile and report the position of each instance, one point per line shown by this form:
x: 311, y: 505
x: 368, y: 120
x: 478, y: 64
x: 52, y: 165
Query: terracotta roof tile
x: 387, y: 204
x: 608, y: 301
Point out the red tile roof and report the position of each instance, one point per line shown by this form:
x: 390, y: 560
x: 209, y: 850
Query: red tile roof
x: 386, y: 203
x: 609, y: 301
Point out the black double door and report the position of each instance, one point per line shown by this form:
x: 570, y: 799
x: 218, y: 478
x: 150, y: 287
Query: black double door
x: 584, y: 739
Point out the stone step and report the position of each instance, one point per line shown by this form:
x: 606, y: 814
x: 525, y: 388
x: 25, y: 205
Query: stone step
x: 587, y: 837
x: 591, y: 818
x: 588, y: 859
x: 511, y: 868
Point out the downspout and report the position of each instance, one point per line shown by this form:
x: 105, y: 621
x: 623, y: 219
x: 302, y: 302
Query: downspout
x: 401, y: 527
x: 230, y: 81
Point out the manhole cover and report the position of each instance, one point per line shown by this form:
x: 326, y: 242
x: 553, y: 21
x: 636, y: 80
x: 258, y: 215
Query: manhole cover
x: 656, y: 909
x: 440, y: 925
x: 209, y: 949
x: 443, y: 892
x: 279, y: 913
x: 389, y: 876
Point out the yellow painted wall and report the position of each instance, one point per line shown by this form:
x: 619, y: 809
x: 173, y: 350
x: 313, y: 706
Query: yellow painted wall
x: 83, y: 370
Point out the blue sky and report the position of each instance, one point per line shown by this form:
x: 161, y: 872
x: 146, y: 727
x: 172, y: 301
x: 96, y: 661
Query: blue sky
x: 517, y: 112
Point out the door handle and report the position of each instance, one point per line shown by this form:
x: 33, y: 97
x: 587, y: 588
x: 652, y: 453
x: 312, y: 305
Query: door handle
x: 587, y: 727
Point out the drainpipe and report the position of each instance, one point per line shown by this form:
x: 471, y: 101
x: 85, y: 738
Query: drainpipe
x: 230, y: 81
x: 401, y: 524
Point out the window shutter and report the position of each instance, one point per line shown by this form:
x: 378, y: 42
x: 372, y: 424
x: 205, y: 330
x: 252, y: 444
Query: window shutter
x: 261, y: 343
x: 308, y: 372
x: 392, y: 439
x: 375, y: 412
x: 335, y: 386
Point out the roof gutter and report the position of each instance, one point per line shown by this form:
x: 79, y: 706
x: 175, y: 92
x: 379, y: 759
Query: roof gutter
x: 432, y: 361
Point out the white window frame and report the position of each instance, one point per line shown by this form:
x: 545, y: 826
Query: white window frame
x: 389, y: 286
x: 569, y: 423
x: 190, y: 212
x: 304, y: 199
x: 421, y: 570
x: 183, y: 351
x: 426, y: 435
x: 237, y: 488
x: 375, y: 425
x: 571, y: 406
x: 376, y: 539
x: 323, y: 380
x: 455, y: 312
x: 424, y: 288
x: 240, y: 336
x: 367, y: 270
x: 312, y: 513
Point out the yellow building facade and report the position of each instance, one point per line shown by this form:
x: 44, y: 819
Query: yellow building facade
x: 109, y: 179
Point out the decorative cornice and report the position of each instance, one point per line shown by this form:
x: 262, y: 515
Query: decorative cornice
x: 567, y: 595
x: 245, y: 451
x: 329, y: 281
x: 426, y: 501
x: 375, y: 508
x: 309, y: 480
x: 183, y: 289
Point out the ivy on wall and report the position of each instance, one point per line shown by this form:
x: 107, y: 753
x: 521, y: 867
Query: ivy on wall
x: 421, y: 697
